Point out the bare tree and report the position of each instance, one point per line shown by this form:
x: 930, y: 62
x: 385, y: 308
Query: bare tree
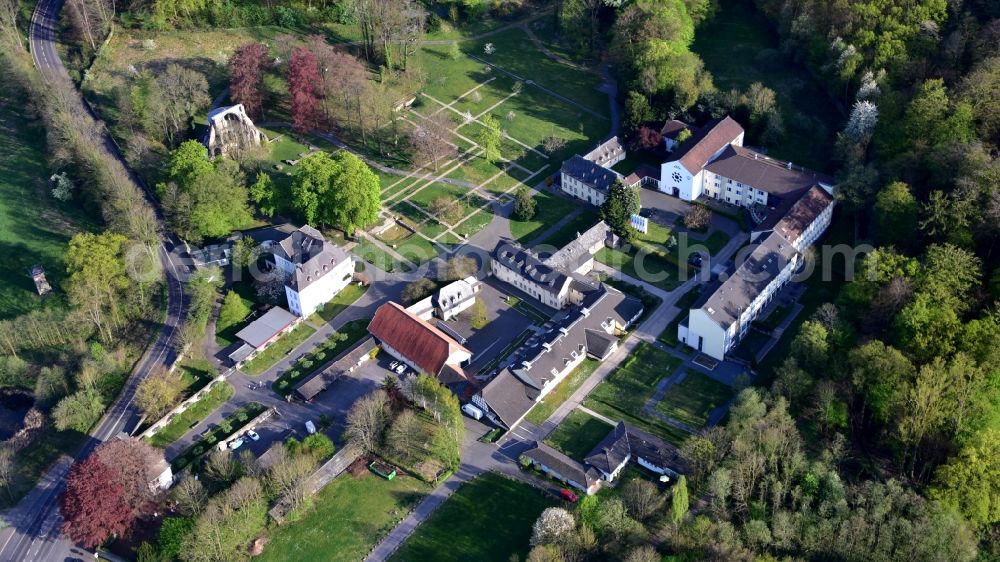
x: 7, y: 468
x: 287, y: 475
x: 221, y: 466
x: 434, y: 140
x: 190, y: 495
x: 8, y: 24
x: 367, y: 420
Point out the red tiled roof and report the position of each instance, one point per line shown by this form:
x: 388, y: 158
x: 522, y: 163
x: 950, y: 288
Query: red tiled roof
x: 802, y: 214
x: 694, y: 153
x: 424, y: 345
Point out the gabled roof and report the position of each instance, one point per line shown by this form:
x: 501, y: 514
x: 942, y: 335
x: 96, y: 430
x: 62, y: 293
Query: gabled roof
x: 578, y: 250
x: 794, y: 216
x: 525, y: 264
x: 559, y: 462
x: 612, y: 452
x: 590, y: 173
x: 654, y: 450
x: 766, y: 174
x: 606, y: 151
x: 258, y: 332
x: 599, y: 343
x: 673, y: 127
x: 508, y: 397
x: 725, y: 304
x: 421, y: 343
x: 695, y: 152
x: 312, y: 255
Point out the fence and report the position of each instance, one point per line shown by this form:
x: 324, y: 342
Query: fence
x: 331, y: 469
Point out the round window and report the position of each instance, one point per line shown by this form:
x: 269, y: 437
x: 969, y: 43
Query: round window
x: 676, y: 177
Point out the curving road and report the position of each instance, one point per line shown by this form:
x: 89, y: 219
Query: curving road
x: 34, y: 534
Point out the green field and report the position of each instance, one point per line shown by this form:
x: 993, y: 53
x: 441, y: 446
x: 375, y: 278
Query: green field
x: 487, y: 520
x: 349, y: 517
x: 622, y: 395
x: 578, y: 434
x: 739, y: 47
x: 184, y: 421
x: 691, y: 400
x: 285, y: 344
x: 320, y: 356
x: 541, y: 411
x: 34, y: 226
x: 345, y: 298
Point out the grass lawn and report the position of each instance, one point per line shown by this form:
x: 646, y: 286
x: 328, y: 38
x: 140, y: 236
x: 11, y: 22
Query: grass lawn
x: 578, y: 225
x: 669, y: 334
x: 550, y: 208
x: 476, y: 222
x: 691, y: 400
x: 34, y: 226
x: 651, y: 268
x: 739, y: 47
x: 578, y: 434
x: 348, y: 518
x: 371, y: 253
x: 541, y: 411
x: 195, y: 373
x: 339, y: 303
x: 278, y: 349
x: 227, y: 336
x: 321, y: 355
x: 226, y: 428
x: 187, y: 419
x: 622, y: 395
x: 487, y: 520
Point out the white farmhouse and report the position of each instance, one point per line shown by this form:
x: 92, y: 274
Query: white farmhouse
x: 316, y: 269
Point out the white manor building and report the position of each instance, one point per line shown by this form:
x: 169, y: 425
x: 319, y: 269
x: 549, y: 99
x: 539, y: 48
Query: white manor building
x: 316, y: 270
x: 590, y: 177
x: 720, y: 319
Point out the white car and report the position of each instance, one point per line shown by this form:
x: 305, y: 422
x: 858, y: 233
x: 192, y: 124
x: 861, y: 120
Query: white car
x: 401, y: 368
x: 310, y: 427
x: 393, y: 365
x: 235, y: 444
x: 253, y: 435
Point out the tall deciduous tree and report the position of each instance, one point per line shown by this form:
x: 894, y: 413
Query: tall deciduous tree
x: 433, y: 140
x: 95, y: 264
x: 303, y: 88
x: 93, y: 504
x: 896, y: 214
x: 367, y: 420
x: 339, y: 190
x: 246, y: 76
x: 970, y: 481
x: 489, y: 138
x: 158, y: 393
x: 679, y: 500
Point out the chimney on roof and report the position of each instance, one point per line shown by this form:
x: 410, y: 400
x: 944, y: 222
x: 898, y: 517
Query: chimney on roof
x: 789, y: 165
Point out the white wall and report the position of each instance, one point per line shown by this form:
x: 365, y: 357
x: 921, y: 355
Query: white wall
x: 713, y: 337
x: 545, y: 297
x: 576, y: 188
x: 306, y: 302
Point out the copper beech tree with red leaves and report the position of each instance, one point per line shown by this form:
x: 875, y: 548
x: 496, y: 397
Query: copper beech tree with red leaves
x: 246, y: 76
x: 303, y: 81
x: 93, y: 505
x: 108, y: 490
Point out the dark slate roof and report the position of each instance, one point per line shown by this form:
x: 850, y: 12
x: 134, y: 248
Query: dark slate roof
x: 312, y: 255
x: 508, y: 397
x: 590, y: 173
x: 695, y: 152
x: 599, y: 343
x: 795, y: 214
x: 577, y: 250
x: 527, y: 265
x: 308, y: 388
x: 766, y: 174
x: 654, y: 450
x: 512, y: 392
x: 611, y: 452
x: 559, y: 462
x: 734, y: 295
x: 672, y: 127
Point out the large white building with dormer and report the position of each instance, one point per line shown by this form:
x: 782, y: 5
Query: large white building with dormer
x: 315, y: 270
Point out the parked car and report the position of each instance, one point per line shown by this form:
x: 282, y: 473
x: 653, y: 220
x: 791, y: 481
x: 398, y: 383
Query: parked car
x: 235, y: 444
x: 401, y: 368
x: 472, y: 411
x: 253, y: 435
x: 310, y: 427
x: 568, y: 495
x: 393, y: 365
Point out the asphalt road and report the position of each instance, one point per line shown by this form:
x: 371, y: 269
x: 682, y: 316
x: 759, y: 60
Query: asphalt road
x: 34, y: 534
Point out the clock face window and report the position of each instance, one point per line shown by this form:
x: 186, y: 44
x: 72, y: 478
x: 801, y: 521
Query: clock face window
x: 676, y: 177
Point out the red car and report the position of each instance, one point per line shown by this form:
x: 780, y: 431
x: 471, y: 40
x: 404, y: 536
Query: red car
x: 568, y: 496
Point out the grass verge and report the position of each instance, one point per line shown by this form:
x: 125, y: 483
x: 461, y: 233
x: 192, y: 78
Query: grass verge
x: 278, y: 349
x: 578, y: 434
x: 186, y: 420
